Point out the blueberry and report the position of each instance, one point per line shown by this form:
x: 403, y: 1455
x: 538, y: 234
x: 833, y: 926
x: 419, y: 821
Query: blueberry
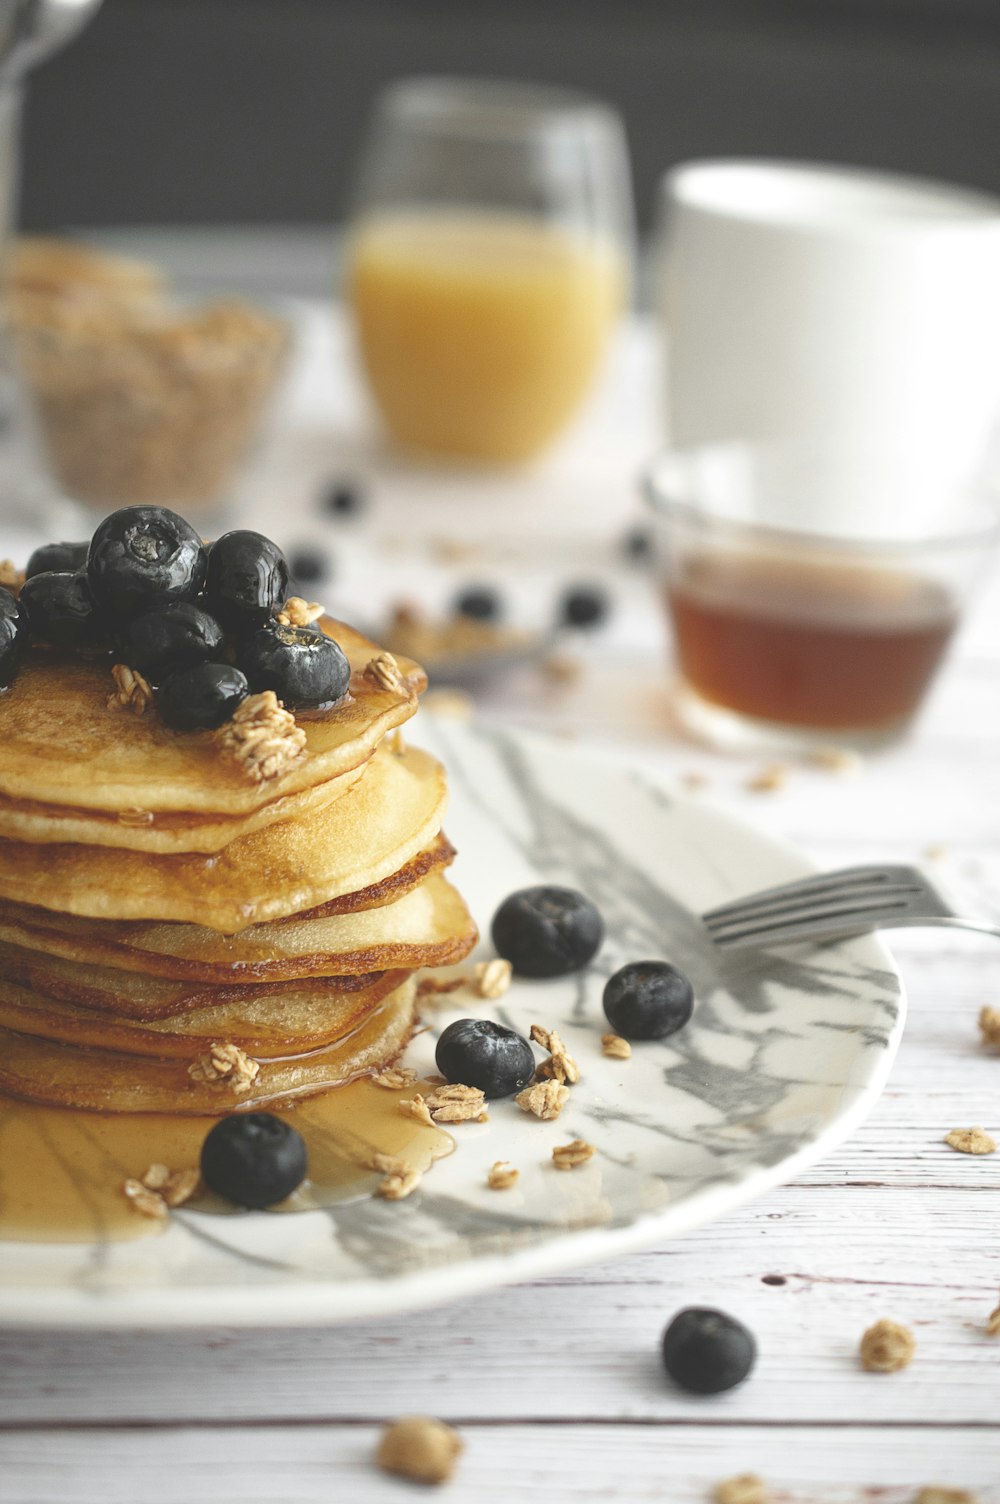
x: 142, y: 557
x: 648, y: 1000
x: 479, y: 602
x: 583, y: 606
x: 201, y: 697
x: 61, y: 611
x: 253, y: 1159
x: 247, y: 578
x: 308, y: 566
x: 304, y: 668
x: 62, y: 557
x: 170, y: 638
x: 707, y: 1351
x: 638, y: 544
x: 478, y: 1052
x: 344, y: 498
x: 13, y: 632
x: 547, y: 932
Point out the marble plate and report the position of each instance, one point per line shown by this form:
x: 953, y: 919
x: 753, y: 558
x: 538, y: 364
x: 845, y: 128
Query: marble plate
x: 785, y: 1055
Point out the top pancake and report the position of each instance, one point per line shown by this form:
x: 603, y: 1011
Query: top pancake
x: 62, y: 745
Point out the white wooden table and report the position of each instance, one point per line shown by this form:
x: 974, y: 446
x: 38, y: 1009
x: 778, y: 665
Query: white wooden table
x: 556, y: 1385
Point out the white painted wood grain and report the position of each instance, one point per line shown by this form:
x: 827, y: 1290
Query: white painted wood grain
x: 501, y: 1464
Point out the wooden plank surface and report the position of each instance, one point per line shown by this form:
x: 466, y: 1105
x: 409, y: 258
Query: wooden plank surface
x: 556, y: 1385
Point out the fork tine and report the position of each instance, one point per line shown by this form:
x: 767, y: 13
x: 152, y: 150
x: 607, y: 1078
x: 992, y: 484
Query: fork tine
x: 835, y: 900
x: 812, y: 925
x: 848, y: 881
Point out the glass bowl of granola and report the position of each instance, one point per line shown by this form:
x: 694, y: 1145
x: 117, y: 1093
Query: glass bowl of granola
x: 138, y: 398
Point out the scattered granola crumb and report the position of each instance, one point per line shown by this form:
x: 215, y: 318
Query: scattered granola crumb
x: 146, y: 1202
x: 456, y: 1104
x: 11, y: 578
x: 160, y: 1189
x: 694, y: 780
x: 262, y: 736
x: 135, y: 817
x: 561, y: 668
x: 545, y: 1100
x: 491, y: 979
x: 395, y: 1078
x: 502, y: 1176
x: 299, y: 613
x: 834, y: 759
x: 747, y: 1488
x: 989, y: 1026
x: 560, y: 1065
x: 568, y: 1156
x: 420, y: 1448
x: 971, y: 1141
x: 935, y: 853
x: 936, y: 1495
x: 398, y: 1181
x: 225, y: 1064
x: 615, y: 1047
x: 886, y: 1347
x: 453, y: 550
x: 993, y: 1323
x: 131, y: 691
x: 453, y: 704
x: 383, y: 672
x: 768, y: 780
x: 416, y: 1107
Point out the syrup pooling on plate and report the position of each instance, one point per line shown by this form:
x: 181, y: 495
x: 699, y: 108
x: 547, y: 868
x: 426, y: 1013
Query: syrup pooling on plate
x: 213, y: 903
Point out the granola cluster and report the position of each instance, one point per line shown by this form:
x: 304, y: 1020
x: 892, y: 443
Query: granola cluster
x: 262, y: 737
x: 225, y: 1064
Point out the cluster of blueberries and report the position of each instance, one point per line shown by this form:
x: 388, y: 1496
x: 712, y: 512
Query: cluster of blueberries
x: 198, y: 621
x: 256, y: 1159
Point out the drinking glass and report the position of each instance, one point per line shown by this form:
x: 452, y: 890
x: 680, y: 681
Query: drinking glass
x: 789, y: 630
x: 488, y: 261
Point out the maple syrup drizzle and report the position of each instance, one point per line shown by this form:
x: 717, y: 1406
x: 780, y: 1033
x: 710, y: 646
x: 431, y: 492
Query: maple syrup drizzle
x: 62, y: 1170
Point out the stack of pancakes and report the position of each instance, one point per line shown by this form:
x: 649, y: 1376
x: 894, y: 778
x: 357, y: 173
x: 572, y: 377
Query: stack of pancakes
x: 178, y: 937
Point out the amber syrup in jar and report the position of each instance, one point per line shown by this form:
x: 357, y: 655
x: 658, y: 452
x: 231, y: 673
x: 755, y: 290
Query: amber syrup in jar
x: 808, y: 643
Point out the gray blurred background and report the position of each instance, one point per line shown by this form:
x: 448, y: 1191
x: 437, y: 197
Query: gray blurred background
x: 237, y: 111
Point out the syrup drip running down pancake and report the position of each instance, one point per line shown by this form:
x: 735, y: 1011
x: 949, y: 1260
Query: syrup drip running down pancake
x: 59, y: 1075
x: 63, y: 746
x: 383, y: 822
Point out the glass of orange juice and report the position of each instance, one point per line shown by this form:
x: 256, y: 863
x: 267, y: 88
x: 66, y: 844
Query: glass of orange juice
x: 488, y: 261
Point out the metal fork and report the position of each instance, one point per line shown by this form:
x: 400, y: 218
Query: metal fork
x: 850, y: 901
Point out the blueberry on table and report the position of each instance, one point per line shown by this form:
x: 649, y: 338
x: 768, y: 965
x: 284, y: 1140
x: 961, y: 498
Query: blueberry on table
x: 165, y: 640
x: 62, y: 557
x: 13, y: 632
x: 201, y: 697
x: 478, y: 602
x: 247, y: 578
x: 546, y: 931
x: 583, y: 606
x: 253, y: 1159
x: 142, y: 557
x: 478, y: 1052
x: 648, y: 1000
x: 308, y: 566
x: 61, y: 611
x: 344, y: 499
x: 305, y: 669
x: 706, y: 1351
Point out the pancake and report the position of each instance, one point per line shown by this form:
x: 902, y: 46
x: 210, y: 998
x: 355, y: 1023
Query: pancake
x: 428, y: 926
x: 162, y: 832
x: 384, y: 821
x: 38, y: 1070
x: 132, y: 996
x: 289, y: 1019
x: 63, y: 746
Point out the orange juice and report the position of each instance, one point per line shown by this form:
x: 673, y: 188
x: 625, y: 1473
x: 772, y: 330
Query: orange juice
x: 480, y: 333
